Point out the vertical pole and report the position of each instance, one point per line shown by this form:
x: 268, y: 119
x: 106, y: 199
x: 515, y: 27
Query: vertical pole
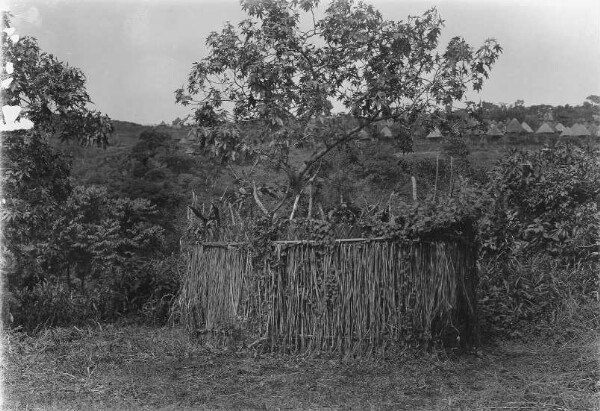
x: 451, y: 177
x: 414, y: 187
x: 437, y: 167
x: 310, y: 201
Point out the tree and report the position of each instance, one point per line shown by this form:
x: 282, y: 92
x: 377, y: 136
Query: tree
x: 96, y: 234
x: 594, y: 99
x: 272, y: 74
x: 35, y: 179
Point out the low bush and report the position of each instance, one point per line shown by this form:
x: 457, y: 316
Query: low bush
x: 143, y: 293
x: 538, y: 298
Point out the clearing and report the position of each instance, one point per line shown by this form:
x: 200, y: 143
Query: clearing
x: 140, y: 368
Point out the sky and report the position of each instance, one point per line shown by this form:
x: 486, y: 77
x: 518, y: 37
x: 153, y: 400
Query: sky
x: 135, y: 53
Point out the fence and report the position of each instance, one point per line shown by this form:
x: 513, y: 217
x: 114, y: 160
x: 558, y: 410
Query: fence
x: 350, y: 297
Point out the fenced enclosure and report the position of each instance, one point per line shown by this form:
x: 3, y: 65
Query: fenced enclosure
x: 349, y: 297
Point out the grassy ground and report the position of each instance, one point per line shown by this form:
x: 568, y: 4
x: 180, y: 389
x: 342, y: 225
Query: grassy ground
x: 136, y: 368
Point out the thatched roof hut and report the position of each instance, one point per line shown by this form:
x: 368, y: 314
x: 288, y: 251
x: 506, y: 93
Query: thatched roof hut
x: 493, y: 130
x: 559, y: 127
x: 579, y: 130
x: 566, y: 132
x: 545, y: 129
x: 526, y: 127
x: 514, y: 127
x: 435, y: 134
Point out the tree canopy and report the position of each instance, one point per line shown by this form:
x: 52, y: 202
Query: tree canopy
x: 52, y: 94
x: 289, y: 75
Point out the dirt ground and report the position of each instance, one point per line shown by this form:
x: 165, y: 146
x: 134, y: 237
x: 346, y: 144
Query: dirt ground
x: 137, y: 368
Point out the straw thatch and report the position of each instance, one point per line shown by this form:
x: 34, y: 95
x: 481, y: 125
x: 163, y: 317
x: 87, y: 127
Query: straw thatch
x: 594, y: 129
x: 494, y: 131
x: 435, y: 134
x: 579, y: 130
x: 350, y: 297
x: 566, y: 132
x: 559, y: 127
x: 526, y: 127
x: 514, y: 127
x: 545, y: 128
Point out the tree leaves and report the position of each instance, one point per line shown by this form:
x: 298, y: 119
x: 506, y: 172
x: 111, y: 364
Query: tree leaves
x: 280, y: 76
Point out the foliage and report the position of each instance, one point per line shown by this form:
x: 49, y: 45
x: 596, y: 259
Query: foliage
x: 546, y: 201
x: 96, y: 246
x: 52, y: 93
x: 36, y: 180
x: 535, y: 114
x: 537, y: 297
x: 284, y: 80
x: 159, y: 171
x: 97, y: 234
x: 36, y: 183
x: 144, y: 294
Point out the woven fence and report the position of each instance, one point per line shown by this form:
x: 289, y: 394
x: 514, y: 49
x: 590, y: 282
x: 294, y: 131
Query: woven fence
x: 350, y: 297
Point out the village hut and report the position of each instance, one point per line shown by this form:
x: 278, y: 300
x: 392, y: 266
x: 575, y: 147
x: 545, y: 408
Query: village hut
x: 545, y: 134
x: 526, y: 127
x: 594, y: 130
x: 559, y: 128
x: 435, y: 135
x: 386, y: 132
x: 566, y: 132
x: 579, y: 130
x: 514, y: 127
x: 493, y: 134
x: 545, y: 128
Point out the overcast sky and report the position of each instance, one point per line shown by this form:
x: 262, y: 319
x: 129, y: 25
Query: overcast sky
x: 136, y: 53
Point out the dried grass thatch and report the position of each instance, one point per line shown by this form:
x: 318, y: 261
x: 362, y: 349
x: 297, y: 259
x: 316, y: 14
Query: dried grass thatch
x: 350, y: 297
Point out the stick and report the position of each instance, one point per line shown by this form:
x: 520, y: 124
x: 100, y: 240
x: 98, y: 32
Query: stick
x: 294, y: 207
x: 451, y: 177
x: 310, y: 201
x: 437, y: 165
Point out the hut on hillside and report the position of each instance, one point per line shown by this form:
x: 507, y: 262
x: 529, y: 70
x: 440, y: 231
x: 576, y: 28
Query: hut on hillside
x: 435, y: 135
x: 545, y: 128
x: 594, y: 129
x: 515, y: 132
x: 514, y: 127
x: 526, y: 127
x: 493, y: 134
x: 579, y: 130
x: 545, y: 134
x: 566, y: 132
x: 559, y: 127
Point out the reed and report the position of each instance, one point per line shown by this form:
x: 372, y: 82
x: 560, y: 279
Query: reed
x: 351, y: 297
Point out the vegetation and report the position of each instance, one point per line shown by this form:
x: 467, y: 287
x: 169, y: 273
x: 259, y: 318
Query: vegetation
x: 99, y: 217
x: 139, y: 368
x: 52, y: 231
x: 271, y: 78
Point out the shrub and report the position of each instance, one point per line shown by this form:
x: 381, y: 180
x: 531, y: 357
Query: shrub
x: 539, y: 297
x: 545, y: 201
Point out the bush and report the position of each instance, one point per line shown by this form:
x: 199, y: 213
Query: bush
x: 545, y: 201
x: 538, y: 298
x: 143, y: 294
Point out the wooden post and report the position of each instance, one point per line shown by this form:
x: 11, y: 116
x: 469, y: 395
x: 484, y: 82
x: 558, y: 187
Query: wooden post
x: 294, y: 207
x: 310, y: 201
x: 437, y: 166
x: 451, y: 178
x: 322, y: 212
x: 414, y: 188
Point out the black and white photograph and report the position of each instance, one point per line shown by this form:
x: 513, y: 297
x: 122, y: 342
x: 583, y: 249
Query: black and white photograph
x: 300, y: 205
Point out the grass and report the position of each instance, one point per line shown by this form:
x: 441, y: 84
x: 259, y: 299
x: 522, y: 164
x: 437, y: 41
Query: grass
x: 137, y: 368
